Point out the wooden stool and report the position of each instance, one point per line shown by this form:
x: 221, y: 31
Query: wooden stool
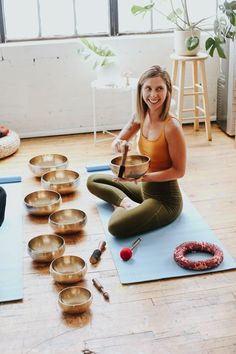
x: 198, y: 88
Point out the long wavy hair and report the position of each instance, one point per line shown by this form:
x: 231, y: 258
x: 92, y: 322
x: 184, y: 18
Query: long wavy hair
x: 141, y: 106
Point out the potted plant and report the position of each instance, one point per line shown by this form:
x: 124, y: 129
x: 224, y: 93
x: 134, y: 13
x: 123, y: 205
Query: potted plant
x: 187, y: 33
x: 102, y: 59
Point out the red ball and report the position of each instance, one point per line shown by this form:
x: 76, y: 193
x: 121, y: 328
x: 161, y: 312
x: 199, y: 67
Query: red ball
x: 126, y: 254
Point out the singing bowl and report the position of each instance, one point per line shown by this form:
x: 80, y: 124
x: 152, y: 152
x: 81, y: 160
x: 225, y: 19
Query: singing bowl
x: 61, y: 181
x: 41, y: 164
x: 67, y: 221
x: 74, y: 299
x: 42, y: 202
x: 45, y: 248
x: 68, y: 269
x: 135, y: 165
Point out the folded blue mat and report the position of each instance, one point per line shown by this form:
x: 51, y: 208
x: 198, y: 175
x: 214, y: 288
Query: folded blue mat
x: 96, y: 168
x: 11, y: 244
x: 153, y: 258
x: 10, y: 179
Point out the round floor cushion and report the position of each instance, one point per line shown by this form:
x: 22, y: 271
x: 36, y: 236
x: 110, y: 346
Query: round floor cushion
x: 194, y: 246
x: 9, y: 144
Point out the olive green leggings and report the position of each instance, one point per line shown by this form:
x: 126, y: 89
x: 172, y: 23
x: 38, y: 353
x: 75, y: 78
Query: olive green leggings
x: 160, y: 203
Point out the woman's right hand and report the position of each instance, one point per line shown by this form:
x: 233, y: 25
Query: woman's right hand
x: 118, y: 145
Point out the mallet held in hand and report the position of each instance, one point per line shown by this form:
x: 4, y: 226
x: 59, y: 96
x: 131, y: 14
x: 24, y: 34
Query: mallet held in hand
x: 122, y: 165
x: 96, y: 255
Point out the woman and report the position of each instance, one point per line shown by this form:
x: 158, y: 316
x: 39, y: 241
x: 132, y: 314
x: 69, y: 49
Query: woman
x: 153, y: 200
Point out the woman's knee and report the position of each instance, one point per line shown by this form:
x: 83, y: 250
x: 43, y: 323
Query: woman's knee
x: 122, y: 223
x: 116, y: 229
x: 90, y: 181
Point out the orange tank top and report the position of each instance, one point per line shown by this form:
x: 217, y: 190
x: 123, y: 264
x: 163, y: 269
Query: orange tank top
x: 157, y: 150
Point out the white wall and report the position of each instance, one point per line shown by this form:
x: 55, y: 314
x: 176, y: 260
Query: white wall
x: 45, y: 86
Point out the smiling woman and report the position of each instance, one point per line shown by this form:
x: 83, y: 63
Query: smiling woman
x: 154, y: 199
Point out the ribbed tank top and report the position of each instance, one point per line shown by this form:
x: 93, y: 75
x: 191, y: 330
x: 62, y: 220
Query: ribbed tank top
x: 157, y: 150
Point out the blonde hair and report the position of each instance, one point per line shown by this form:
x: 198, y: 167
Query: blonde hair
x: 141, y: 106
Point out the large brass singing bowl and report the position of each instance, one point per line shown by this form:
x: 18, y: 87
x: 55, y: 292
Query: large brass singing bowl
x: 61, y: 181
x: 43, y: 202
x: 68, y: 269
x: 135, y: 166
x: 41, y: 164
x: 67, y: 221
x: 74, y: 299
x: 45, y: 248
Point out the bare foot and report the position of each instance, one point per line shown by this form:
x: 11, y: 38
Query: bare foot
x: 128, y: 203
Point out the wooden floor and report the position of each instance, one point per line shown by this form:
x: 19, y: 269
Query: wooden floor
x: 182, y: 316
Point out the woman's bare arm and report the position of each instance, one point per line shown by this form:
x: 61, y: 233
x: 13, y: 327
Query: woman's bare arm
x: 128, y: 132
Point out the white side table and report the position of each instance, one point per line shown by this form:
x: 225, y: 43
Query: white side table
x: 120, y: 86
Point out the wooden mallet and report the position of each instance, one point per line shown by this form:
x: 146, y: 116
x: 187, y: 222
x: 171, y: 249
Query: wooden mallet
x: 122, y: 165
x: 100, y: 288
x: 96, y: 255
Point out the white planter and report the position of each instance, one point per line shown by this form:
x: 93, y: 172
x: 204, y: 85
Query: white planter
x: 180, y: 42
x: 108, y: 74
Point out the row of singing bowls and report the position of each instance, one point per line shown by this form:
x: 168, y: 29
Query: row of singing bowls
x: 41, y: 164
x: 50, y: 248
x: 61, y: 181
x: 135, y: 165
x: 64, y: 269
x: 46, y: 202
x: 42, y: 202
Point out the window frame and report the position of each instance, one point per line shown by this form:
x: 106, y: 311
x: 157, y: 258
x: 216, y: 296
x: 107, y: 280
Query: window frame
x: 113, y: 29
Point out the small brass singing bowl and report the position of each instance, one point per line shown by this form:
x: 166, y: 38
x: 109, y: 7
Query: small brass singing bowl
x: 45, y: 248
x: 68, y: 269
x: 67, y: 221
x: 43, y: 202
x: 61, y: 181
x: 74, y: 299
x: 41, y: 164
x: 135, y: 166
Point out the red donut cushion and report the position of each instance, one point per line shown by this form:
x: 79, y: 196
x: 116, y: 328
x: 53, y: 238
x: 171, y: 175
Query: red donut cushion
x: 194, y: 246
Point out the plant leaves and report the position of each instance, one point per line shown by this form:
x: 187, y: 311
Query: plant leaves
x: 192, y: 43
x: 137, y: 10
x: 219, y: 48
x: 213, y: 44
x: 99, y: 50
x: 97, y: 54
x: 209, y: 43
x: 173, y: 16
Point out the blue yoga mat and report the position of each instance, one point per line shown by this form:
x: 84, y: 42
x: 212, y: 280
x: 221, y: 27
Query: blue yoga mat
x: 10, y: 179
x: 97, y: 168
x: 153, y: 257
x: 11, y: 243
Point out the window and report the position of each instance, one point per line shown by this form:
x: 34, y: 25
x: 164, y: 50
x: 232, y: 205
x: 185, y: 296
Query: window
x: 43, y: 19
x: 39, y: 19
